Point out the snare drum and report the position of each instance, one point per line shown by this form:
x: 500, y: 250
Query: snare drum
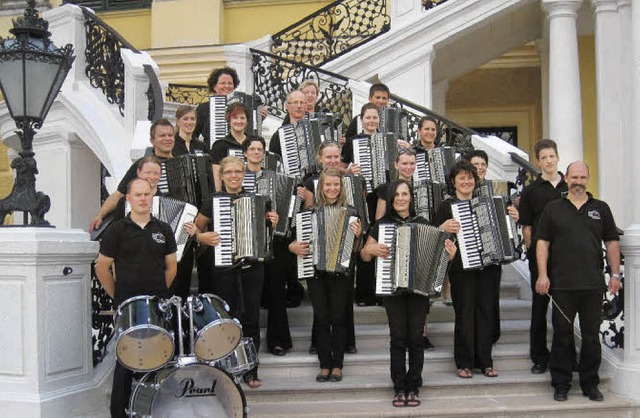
x: 195, y: 390
x: 242, y: 359
x: 144, y: 334
x: 216, y: 333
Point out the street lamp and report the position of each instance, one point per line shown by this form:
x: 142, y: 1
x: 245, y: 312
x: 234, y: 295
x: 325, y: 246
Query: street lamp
x: 32, y: 70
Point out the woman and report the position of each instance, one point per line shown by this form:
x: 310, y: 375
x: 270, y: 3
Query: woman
x: 241, y: 285
x: 405, y: 166
x: 427, y: 133
x: 185, y: 141
x: 330, y: 293
x: 237, y: 118
x: 406, y: 311
x: 370, y: 122
x: 474, y: 292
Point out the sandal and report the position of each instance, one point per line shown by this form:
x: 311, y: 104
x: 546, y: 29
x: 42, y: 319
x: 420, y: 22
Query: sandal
x: 413, y: 399
x: 253, y: 382
x: 465, y: 373
x: 490, y: 372
x: 399, y: 400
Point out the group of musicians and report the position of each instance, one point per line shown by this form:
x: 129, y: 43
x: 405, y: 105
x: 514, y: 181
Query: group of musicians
x: 475, y: 293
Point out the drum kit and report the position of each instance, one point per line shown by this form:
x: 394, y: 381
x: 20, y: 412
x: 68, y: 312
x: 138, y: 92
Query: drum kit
x: 202, y: 383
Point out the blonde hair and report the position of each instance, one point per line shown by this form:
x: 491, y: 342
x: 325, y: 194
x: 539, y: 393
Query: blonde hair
x: 232, y: 159
x: 308, y: 83
x: 325, y: 145
x: 342, y: 197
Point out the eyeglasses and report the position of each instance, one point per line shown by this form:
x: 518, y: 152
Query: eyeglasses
x: 408, y: 151
x: 297, y: 103
x: 230, y: 172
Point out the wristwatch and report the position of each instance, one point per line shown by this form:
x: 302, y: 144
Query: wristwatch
x: 616, y: 276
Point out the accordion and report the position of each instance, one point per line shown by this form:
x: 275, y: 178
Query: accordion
x: 174, y: 212
x: 325, y: 125
x: 188, y: 178
x: 270, y: 161
x: 283, y: 192
x: 487, y: 232
x: 394, y: 120
x: 327, y: 229
x: 356, y: 192
x: 245, y: 231
x: 417, y: 259
x: 494, y: 187
x: 427, y: 196
x: 434, y: 164
x: 218, y: 111
x: 376, y: 157
x: 299, y: 144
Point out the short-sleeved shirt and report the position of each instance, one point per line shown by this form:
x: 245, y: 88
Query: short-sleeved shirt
x: 347, y: 148
x: 535, y: 197
x: 139, y: 256
x: 196, y: 147
x: 575, y: 236
x: 202, y: 123
x: 220, y: 148
x: 443, y: 213
x: 131, y: 174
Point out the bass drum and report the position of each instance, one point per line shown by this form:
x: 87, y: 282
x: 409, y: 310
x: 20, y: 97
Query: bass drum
x: 192, y: 391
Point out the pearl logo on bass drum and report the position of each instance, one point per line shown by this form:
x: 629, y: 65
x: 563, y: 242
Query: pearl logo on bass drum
x: 188, y: 389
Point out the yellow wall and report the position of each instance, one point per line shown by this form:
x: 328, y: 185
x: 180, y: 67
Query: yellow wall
x: 586, y: 48
x: 253, y: 19
x: 132, y: 25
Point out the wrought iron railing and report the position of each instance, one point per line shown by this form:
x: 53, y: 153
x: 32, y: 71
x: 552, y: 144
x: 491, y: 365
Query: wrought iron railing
x: 332, y: 31
x: 189, y: 94
x: 527, y: 172
x: 274, y: 77
x: 109, y: 5
x: 430, y: 4
x: 101, y: 318
x: 154, y: 95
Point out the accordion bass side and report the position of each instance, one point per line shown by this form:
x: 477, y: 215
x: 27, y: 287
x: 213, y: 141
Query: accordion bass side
x: 376, y: 157
x: 327, y: 229
x: 394, y: 120
x: 188, y: 178
x: 174, y: 212
x: 427, y: 196
x: 245, y: 231
x: 417, y: 261
x: 282, y: 189
x: 434, y: 164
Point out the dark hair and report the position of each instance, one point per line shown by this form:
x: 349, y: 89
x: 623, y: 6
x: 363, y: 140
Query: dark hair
x: 217, y: 72
x: 183, y: 110
x: 378, y: 87
x: 368, y: 106
x: 236, y: 107
x: 391, y: 195
x: 405, y: 151
x: 478, y: 153
x: 247, y: 142
x: 461, y: 166
x: 543, y: 144
x: 430, y: 119
x: 159, y: 122
x: 130, y: 184
x: 148, y: 159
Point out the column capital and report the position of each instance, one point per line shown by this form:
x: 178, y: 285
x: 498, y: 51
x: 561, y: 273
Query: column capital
x: 624, y: 3
x: 561, y: 8
x: 600, y: 6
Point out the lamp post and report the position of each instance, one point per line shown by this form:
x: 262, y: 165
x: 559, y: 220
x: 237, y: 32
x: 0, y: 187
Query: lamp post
x: 32, y: 70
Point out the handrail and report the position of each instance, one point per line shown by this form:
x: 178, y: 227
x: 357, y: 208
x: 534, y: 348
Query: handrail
x: 154, y: 95
x: 527, y: 173
x: 430, y: 4
x: 332, y: 31
x: 191, y: 94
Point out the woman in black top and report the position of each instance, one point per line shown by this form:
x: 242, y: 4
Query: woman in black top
x: 473, y: 291
x: 427, y: 134
x: 406, y: 311
x: 185, y: 141
x: 221, y: 82
x: 241, y: 285
x: 237, y: 118
x: 330, y: 292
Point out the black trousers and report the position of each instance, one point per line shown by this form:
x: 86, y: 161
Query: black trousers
x: 406, y: 314
x: 204, y: 263
x: 120, y: 391
x: 241, y: 288
x: 495, y: 273
x: 330, y: 296
x: 277, y: 273
x: 588, y: 305
x: 474, y: 297
x: 181, y: 285
x: 351, y: 327
x: 538, y: 350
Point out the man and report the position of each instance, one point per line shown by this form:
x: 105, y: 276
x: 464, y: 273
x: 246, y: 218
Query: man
x: 546, y: 188
x: 162, y: 139
x: 569, y: 237
x: 378, y: 95
x: 296, y: 106
x: 144, y: 252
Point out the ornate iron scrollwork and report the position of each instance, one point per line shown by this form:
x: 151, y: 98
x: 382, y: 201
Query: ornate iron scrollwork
x: 430, y: 4
x: 612, y: 326
x: 101, y: 318
x: 332, y: 31
x: 187, y: 94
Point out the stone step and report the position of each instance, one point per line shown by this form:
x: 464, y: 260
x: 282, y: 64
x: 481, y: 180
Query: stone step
x: 522, y: 405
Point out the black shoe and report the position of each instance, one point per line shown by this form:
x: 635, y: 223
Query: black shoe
x: 593, y: 394
x: 351, y: 350
x: 312, y: 350
x: 560, y: 394
x: 321, y: 378
x: 427, y: 344
x: 278, y: 351
x: 539, y: 368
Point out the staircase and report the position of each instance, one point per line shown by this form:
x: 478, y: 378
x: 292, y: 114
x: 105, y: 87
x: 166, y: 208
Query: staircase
x: 290, y: 390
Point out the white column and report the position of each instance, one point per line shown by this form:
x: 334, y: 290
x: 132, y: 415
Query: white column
x: 411, y: 80
x: 401, y: 10
x: 46, y: 365
x: 627, y: 377
x: 624, y: 107
x: 543, y: 50
x: 439, y: 97
x: 565, y: 114
x: 610, y: 149
x: 136, y: 84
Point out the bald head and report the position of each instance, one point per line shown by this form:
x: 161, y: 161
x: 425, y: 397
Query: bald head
x: 578, y: 164
x: 296, y: 105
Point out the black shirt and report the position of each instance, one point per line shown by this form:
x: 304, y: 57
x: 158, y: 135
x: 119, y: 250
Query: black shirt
x: 139, y: 257
x: 180, y: 148
x: 533, y: 200
x: 443, y: 213
x: 220, y: 148
x: 202, y: 123
x: 352, y: 129
x: 347, y: 148
x: 575, y: 236
x: 131, y: 174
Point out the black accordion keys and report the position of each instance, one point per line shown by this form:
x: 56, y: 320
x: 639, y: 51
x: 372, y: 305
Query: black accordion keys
x: 434, y: 164
x: 394, y: 120
x: 270, y: 161
x: 487, y: 232
x: 376, y: 157
x: 417, y: 259
x: 299, y: 144
x: 245, y: 231
x: 327, y: 229
x: 325, y: 126
x: 218, y: 111
x: 188, y: 178
x: 176, y: 213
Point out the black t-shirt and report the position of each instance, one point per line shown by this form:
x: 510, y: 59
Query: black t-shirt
x: 139, y: 257
x: 220, y: 148
x: 443, y: 213
x: 575, y: 242
x: 202, y: 123
x: 180, y: 148
x: 131, y: 174
x: 347, y: 148
x: 274, y: 143
x: 352, y: 129
x: 533, y: 200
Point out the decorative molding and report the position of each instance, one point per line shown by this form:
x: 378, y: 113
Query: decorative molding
x: 236, y: 4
